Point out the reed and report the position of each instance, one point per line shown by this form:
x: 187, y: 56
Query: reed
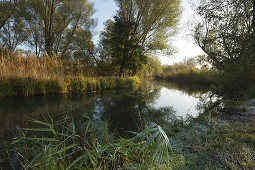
x: 65, y: 144
x: 16, y: 86
x: 17, y: 65
x: 32, y: 75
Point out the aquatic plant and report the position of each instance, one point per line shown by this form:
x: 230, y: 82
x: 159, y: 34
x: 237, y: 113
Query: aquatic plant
x: 65, y: 144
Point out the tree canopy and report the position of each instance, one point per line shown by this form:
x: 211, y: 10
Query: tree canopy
x: 227, y: 36
x: 140, y: 27
x: 48, y: 25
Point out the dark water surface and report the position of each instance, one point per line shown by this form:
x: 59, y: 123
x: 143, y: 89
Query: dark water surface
x: 125, y: 110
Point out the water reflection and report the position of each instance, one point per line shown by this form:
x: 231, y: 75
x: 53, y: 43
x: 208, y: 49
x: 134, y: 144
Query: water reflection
x: 182, y: 97
x: 125, y: 110
x: 15, y: 113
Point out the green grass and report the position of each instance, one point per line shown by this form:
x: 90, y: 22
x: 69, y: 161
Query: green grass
x: 64, y: 144
x: 206, y: 142
x: 209, y: 142
x: 15, y: 86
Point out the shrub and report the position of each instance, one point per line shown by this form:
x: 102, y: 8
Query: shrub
x: 183, y: 73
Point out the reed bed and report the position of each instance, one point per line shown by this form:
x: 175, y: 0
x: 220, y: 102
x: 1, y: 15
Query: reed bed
x: 44, y: 67
x: 15, y: 86
x: 32, y: 75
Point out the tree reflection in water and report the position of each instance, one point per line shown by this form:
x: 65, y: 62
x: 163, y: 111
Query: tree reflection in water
x: 124, y: 110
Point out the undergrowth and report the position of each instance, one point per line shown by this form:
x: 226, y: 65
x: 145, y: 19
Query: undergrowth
x: 209, y: 142
x: 65, y: 144
x: 205, y: 142
x: 184, y: 73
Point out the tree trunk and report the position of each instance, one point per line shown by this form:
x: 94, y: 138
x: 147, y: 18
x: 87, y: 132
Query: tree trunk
x: 48, y: 20
x: 121, y: 72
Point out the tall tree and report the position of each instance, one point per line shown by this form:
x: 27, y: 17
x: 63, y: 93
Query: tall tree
x: 227, y: 37
x: 14, y: 33
x: 35, y: 39
x: 58, y: 21
x: 141, y: 27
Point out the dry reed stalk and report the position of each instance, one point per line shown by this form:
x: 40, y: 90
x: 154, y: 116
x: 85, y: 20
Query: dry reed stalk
x: 17, y: 65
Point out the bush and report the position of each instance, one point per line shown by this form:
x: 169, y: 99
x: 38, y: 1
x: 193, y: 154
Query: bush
x: 184, y: 73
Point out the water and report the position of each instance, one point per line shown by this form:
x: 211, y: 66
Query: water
x: 125, y: 110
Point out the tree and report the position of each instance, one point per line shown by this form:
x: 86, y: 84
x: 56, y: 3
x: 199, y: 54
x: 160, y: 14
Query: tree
x: 58, y: 21
x: 12, y: 23
x: 151, y: 69
x: 204, y: 61
x: 7, y: 10
x: 104, y: 50
x: 13, y: 33
x: 141, y: 27
x: 190, y: 62
x: 36, y: 34
x: 227, y: 36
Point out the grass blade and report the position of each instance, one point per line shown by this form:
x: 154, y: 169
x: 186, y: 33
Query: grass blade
x: 74, y: 162
x: 150, y: 140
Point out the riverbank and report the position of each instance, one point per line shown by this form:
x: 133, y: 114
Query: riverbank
x: 209, y: 141
x: 87, y: 145
x: 79, y: 138
x: 219, y: 139
x: 24, y: 87
x: 213, y: 143
x: 186, y: 74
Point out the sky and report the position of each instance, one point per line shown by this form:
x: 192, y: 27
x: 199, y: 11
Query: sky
x: 182, y: 42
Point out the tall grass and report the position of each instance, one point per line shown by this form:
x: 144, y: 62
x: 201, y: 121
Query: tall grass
x: 183, y: 73
x: 17, y: 65
x: 15, y: 86
x: 65, y: 144
x: 32, y: 75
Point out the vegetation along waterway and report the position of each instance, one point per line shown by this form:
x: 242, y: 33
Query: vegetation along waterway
x: 109, y: 119
x: 70, y: 100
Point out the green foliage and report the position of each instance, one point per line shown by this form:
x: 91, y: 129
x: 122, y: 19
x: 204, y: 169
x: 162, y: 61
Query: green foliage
x: 152, y: 68
x: 139, y: 28
x: 184, y: 73
x: 63, y: 27
x: 54, y: 145
x: 227, y: 37
x: 30, y: 86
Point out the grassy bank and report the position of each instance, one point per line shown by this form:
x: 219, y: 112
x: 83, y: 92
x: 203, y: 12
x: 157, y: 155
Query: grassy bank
x: 187, y: 74
x: 64, y: 144
x: 210, y: 142
x: 206, y: 142
x: 16, y: 86
x: 26, y: 75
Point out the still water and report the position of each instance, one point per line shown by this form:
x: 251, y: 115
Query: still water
x: 124, y: 110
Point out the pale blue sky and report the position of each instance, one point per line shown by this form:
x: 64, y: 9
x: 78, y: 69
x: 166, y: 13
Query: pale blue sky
x: 105, y: 9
